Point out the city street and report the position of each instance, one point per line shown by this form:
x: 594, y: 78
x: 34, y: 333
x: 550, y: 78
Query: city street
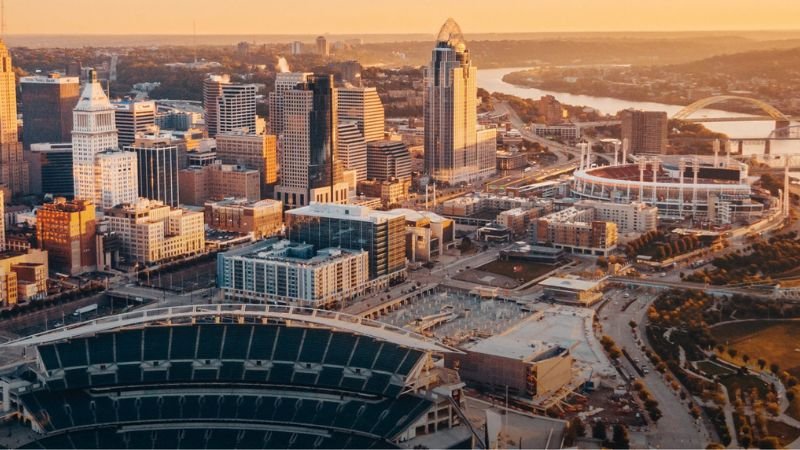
x: 676, y: 429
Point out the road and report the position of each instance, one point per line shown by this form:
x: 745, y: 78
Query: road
x: 676, y: 429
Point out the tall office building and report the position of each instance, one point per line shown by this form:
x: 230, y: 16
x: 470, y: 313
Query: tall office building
x: 387, y: 160
x: 51, y: 169
x: 646, y: 131
x: 115, y: 178
x: 157, y: 168
x: 236, y: 108
x: 284, y: 81
x: 352, y: 149
x: 94, y: 131
x: 47, y: 103
x: 133, y: 117
x: 351, y: 73
x: 323, y: 48
x: 212, y: 91
x: 450, y: 102
x: 362, y: 105
x: 13, y: 167
x: 252, y: 151
x: 67, y: 230
x: 380, y: 233
x: 310, y: 168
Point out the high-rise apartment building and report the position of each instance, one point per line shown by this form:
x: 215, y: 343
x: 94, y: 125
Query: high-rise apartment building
x: 381, y: 234
x: 132, y: 117
x: 236, y: 108
x: 158, y: 163
x: 66, y: 229
x: 94, y: 131
x: 51, y: 169
x: 13, y: 167
x: 323, y: 48
x: 310, y: 169
x: 252, y: 151
x: 152, y: 231
x: 450, y: 102
x: 292, y: 273
x: 47, y: 103
x: 284, y: 81
x: 352, y: 149
x: 364, y: 106
x: 646, y: 131
x: 486, y: 150
x: 115, y: 178
x: 212, y: 91
x: 387, y: 160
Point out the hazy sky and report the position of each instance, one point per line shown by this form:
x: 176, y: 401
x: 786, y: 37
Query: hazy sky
x: 391, y: 16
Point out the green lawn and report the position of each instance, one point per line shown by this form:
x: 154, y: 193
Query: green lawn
x: 745, y: 383
x: 525, y: 270
x: 777, y: 342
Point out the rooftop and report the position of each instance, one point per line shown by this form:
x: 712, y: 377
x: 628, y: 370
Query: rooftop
x: 347, y: 212
x: 573, y: 284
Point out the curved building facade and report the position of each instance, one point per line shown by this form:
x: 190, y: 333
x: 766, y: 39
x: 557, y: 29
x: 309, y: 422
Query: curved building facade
x: 679, y: 187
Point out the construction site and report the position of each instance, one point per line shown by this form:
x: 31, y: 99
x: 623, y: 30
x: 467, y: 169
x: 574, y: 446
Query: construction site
x: 536, y: 354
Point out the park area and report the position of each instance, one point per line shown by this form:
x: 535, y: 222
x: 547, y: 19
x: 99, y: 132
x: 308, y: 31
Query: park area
x: 773, y: 341
x: 506, y: 274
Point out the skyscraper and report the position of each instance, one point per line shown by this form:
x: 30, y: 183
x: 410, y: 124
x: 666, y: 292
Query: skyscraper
x: 352, y: 149
x: 450, y: 102
x: 212, y: 90
x: 323, y: 48
x: 362, y: 105
x: 157, y: 168
x: 284, y: 81
x: 13, y: 168
x: 236, y: 108
x: 646, y: 131
x: 47, y: 103
x: 133, y: 117
x: 310, y: 169
x: 51, y: 168
x: 93, y: 132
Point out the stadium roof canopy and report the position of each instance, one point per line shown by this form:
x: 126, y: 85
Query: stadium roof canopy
x: 235, y: 312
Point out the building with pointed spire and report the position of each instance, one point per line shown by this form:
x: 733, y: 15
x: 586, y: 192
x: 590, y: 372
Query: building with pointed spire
x: 13, y: 167
x: 102, y: 174
x: 450, y: 109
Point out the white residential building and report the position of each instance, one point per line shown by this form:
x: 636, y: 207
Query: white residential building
x: 293, y: 273
x: 631, y: 217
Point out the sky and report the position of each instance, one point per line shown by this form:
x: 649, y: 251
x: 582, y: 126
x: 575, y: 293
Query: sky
x: 392, y: 16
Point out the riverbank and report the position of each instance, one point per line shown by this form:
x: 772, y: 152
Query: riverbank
x: 601, y: 88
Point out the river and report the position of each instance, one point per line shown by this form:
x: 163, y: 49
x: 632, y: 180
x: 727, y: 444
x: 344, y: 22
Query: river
x: 492, y: 81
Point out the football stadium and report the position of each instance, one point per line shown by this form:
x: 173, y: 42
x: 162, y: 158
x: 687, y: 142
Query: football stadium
x: 236, y: 376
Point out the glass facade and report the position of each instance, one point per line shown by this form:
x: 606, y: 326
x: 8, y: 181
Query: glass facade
x: 383, y: 240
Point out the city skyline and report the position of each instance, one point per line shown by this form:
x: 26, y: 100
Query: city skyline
x: 417, y: 16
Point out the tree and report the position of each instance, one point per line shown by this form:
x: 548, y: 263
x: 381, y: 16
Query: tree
x: 466, y: 244
x: 732, y: 352
x: 599, y: 430
x: 761, y: 363
x: 745, y: 358
x: 620, y: 437
x: 774, y: 368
